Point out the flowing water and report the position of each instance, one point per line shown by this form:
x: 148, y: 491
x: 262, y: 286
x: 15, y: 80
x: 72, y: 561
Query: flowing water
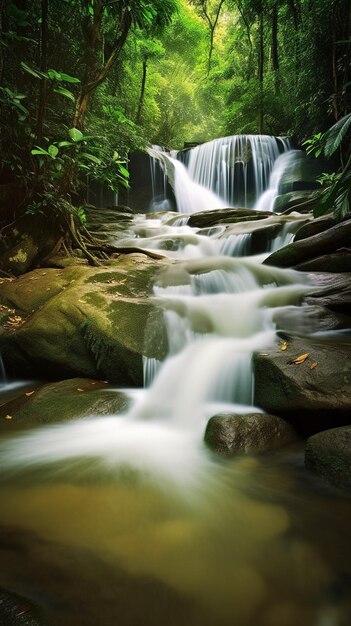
x: 131, y: 520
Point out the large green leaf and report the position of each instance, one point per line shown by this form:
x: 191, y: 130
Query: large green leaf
x: 54, y: 75
x: 53, y: 151
x: 123, y: 170
x: 69, y: 79
x: 64, y: 92
x: 337, y: 197
x: 335, y: 135
x: 75, y: 134
x: 29, y: 70
x: 91, y: 157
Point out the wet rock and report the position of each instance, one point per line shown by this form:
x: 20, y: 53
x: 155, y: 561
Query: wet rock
x: 91, y: 322
x: 62, y: 401
x: 303, y: 201
x: 17, y: 611
x: 329, y: 454
x: 302, y: 173
x: 333, y: 293
x: 314, y: 393
x: 337, y: 262
x: 315, y: 226
x: 204, y: 219
x: 231, y: 434
x: 299, y: 252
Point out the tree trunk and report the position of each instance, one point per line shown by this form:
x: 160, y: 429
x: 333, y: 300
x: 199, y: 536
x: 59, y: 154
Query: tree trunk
x: 212, y: 23
x: 43, y: 67
x: 142, y: 93
x: 275, y: 49
x: 248, y: 34
x: 260, y: 74
x: 96, y: 67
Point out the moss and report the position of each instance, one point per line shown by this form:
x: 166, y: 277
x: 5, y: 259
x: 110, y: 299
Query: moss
x: 63, y: 401
x: 20, y: 257
x: 105, y: 277
x: 95, y: 300
x: 113, y: 361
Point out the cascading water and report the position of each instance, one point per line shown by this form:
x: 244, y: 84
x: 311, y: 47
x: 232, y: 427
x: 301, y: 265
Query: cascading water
x: 227, y: 172
x: 220, y: 313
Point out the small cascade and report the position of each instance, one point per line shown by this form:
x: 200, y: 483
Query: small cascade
x: 159, y: 180
x: 191, y: 196
x: 283, y: 164
x: 236, y: 245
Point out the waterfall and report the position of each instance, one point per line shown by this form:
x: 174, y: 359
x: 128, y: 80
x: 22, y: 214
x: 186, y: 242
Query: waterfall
x: 217, y: 315
x: 227, y: 172
x: 283, y: 164
x: 219, y: 307
x: 236, y: 168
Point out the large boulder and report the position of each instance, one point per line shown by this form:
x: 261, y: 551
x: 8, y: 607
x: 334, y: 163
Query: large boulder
x: 309, y: 382
x: 315, y: 226
x: 329, y: 454
x: 302, y: 201
x: 231, y: 434
x: 62, y: 401
x: 205, y: 219
x: 326, y: 242
x: 91, y: 322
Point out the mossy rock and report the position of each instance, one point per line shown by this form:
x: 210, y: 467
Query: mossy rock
x: 83, y: 321
x: 62, y: 401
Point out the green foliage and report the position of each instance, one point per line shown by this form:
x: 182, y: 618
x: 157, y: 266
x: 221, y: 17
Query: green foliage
x: 337, y: 195
x: 87, y: 154
x: 336, y: 135
x: 315, y: 145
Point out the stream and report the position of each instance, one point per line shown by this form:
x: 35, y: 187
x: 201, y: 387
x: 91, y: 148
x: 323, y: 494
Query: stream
x: 130, y: 519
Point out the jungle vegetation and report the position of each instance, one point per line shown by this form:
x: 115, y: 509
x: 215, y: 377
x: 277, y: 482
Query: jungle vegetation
x: 85, y: 82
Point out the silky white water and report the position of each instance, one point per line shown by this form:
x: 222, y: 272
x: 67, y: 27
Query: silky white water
x: 217, y: 315
x: 234, y: 171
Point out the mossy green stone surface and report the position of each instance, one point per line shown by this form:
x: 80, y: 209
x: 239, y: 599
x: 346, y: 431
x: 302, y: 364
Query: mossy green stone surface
x: 93, y: 322
x: 62, y: 401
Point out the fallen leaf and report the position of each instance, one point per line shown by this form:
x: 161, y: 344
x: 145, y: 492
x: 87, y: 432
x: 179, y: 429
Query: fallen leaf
x: 30, y: 393
x: 284, y: 346
x: 8, y: 417
x: 313, y: 365
x: 301, y: 359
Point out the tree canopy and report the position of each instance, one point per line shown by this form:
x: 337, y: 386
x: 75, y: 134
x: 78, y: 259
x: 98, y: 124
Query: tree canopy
x: 84, y: 82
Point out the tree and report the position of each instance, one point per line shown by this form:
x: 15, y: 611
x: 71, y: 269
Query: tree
x: 210, y: 12
x: 122, y: 15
